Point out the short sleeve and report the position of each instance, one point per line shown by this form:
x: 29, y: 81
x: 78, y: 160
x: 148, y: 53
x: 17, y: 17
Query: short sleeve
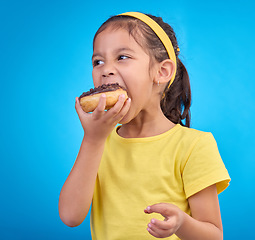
x: 204, y: 167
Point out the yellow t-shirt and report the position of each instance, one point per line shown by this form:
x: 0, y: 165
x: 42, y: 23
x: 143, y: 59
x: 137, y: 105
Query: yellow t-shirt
x: 137, y: 172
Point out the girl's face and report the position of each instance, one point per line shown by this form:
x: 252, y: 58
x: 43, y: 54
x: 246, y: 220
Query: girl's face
x: 117, y: 57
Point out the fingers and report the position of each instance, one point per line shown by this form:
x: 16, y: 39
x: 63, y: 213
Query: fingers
x: 126, y: 107
x: 154, y: 233
x: 115, y: 114
x: 120, y: 109
x: 161, y: 208
x: 161, y: 229
x: 164, y: 225
x: 157, y: 232
x: 172, y: 222
x: 100, y: 109
x: 118, y: 105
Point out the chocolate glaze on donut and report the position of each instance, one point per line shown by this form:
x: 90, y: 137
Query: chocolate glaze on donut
x: 103, y: 88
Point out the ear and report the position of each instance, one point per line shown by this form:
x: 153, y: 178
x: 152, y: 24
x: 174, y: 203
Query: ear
x: 165, y: 71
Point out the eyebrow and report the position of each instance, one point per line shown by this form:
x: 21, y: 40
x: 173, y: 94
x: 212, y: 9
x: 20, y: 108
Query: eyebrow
x: 115, y: 51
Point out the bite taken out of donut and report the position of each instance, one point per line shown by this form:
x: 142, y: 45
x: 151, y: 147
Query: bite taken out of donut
x: 89, y: 100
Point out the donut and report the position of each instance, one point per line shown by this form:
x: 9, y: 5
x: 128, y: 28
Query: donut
x: 90, y: 99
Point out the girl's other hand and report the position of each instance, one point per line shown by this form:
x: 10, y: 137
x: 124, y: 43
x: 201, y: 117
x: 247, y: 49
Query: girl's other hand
x: 172, y: 222
x: 99, y: 124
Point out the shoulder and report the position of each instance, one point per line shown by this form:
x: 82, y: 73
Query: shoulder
x: 202, y: 165
x: 191, y: 131
x: 195, y: 145
x: 191, y: 136
x: 198, y: 142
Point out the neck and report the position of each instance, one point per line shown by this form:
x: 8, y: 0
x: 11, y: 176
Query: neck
x: 146, y: 124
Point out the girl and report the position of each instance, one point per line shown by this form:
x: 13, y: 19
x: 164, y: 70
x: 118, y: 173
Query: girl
x: 152, y: 176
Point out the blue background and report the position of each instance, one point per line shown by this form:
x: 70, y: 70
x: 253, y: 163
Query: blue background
x: 45, y: 59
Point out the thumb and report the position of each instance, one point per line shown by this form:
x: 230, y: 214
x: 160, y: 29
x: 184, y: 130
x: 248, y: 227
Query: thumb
x: 78, y: 107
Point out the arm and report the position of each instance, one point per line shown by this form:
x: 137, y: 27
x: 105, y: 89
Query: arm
x: 76, y: 194
x: 205, y: 222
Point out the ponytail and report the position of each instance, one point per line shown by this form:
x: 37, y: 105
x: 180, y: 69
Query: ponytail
x: 177, y: 99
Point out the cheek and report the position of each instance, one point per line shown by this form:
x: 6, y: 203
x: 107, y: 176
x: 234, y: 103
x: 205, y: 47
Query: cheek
x: 93, y: 73
x: 139, y: 95
x: 140, y: 84
x: 95, y: 77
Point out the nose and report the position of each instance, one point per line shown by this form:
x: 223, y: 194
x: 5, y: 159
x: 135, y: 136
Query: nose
x: 108, y: 74
x: 108, y: 70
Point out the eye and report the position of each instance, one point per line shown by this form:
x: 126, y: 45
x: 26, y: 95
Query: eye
x: 97, y: 62
x: 122, y: 57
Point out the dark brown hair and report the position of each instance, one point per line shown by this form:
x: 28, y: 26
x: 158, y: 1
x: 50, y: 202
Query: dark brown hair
x: 177, y: 99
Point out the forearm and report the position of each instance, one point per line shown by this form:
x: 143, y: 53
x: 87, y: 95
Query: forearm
x: 193, y: 229
x: 76, y: 195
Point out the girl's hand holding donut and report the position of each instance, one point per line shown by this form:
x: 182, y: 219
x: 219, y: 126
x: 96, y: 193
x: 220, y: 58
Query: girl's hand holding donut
x: 99, y: 124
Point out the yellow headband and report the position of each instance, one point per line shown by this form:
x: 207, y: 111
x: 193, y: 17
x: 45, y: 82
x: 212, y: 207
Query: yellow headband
x: 160, y: 33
